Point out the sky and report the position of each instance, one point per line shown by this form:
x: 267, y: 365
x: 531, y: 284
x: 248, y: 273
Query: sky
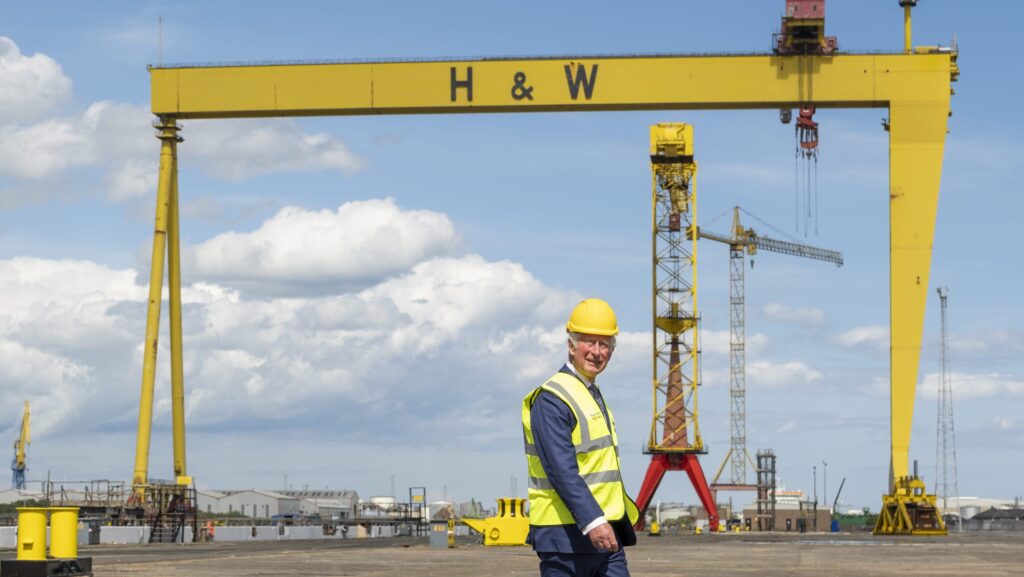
x: 367, y: 300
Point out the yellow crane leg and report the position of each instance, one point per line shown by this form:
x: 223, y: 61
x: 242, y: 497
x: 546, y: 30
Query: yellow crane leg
x: 916, y: 140
x: 177, y: 371
x: 168, y: 139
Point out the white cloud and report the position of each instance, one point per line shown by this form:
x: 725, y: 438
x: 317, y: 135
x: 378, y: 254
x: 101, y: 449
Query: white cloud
x: 59, y: 330
x: 973, y: 386
x: 717, y: 342
x: 37, y: 145
x: 875, y: 336
x: 408, y: 348
x: 30, y: 86
x: 804, y: 315
x: 879, y: 387
x: 51, y: 382
x: 359, y: 243
x: 1004, y: 423
x: 28, y: 283
x: 787, y: 426
x: 42, y: 149
x: 993, y: 341
x: 781, y: 375
x: 133, y: 179
x: 238, y: 149
x: 106, y: 134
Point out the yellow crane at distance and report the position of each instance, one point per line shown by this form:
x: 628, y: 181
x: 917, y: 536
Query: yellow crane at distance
x: 19, y: 464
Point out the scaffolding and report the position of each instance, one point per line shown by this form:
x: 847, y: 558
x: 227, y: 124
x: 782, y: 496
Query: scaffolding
x: 766, y: 490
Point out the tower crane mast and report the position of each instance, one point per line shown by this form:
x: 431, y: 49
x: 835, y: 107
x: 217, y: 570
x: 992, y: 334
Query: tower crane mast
x: 18, y: 465
x: 741, y: 242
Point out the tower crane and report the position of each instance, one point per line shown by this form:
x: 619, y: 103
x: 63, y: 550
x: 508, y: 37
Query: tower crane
x: 743, y: 241
x: 18, y: 464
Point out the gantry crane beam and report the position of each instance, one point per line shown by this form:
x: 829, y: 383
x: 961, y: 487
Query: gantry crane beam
x: 915, y: 86
x: 729, y: 82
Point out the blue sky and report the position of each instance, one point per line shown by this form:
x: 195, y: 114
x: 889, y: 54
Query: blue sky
x: 415, y: 270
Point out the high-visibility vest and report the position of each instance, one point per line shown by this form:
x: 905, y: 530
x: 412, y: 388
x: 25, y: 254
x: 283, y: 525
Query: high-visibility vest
x: 597, y: 455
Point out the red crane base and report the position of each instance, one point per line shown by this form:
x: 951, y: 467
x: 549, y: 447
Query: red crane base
x: 662, y: 462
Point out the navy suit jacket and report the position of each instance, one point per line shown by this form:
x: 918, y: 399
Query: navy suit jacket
x: 552, y: 422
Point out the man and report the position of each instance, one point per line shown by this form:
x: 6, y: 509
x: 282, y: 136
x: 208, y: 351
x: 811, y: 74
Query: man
x: 580, y: 514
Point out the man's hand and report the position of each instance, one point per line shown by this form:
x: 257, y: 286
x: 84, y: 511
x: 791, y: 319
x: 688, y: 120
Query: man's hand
x: 603, y: 538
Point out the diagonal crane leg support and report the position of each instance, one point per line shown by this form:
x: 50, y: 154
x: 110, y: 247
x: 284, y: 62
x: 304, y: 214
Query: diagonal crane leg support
x: 664, y: 462
x: 916, y: 143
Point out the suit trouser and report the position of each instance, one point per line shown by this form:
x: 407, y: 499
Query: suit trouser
x: 583, y: 565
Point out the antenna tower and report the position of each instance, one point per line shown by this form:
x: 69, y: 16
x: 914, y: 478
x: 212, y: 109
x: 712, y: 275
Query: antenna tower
x: 948, y: 486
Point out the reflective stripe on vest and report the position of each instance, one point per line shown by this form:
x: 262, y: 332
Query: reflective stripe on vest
x: 595, y: 444
x: 589, y: 479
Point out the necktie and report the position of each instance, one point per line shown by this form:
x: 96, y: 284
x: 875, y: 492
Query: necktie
x: 596, y: 392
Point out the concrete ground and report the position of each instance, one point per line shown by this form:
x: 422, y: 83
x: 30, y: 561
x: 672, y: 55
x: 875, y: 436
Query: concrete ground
x: 974, y: 554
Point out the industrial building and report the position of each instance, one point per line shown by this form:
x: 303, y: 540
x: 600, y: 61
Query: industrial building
x: 996, y: 520
x: 250, y: 502
x: 329, y: 505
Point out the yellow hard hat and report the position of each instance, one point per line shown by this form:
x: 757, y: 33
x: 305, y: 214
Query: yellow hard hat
x: 593, y: 317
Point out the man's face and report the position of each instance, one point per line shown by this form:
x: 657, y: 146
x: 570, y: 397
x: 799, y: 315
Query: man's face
x: 591, y: 354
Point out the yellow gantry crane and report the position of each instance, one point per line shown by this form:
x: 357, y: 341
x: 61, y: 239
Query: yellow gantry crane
x: 913, y: 84
x: 745, y: 241
x: 19, y: 464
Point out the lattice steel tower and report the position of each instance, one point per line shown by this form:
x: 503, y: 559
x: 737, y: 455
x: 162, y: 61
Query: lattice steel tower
x: 675, y: 439
x: 947, y: 485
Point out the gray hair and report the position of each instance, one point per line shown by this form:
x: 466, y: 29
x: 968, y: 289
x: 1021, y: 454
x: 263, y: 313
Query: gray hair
x: 574, y: 338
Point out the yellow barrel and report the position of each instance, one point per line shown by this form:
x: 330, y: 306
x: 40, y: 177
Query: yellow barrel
x: 64, y: 532
x: 31, y: 534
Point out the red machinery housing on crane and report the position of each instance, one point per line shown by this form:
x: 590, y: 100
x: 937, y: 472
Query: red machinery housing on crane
x: 803, y: 29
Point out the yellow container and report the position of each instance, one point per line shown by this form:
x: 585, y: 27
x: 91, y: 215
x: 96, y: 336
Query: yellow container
x: 31, y: 534
x: 64, y: 532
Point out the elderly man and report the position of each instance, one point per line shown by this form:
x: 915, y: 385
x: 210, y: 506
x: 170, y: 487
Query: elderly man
x: 580, y: 514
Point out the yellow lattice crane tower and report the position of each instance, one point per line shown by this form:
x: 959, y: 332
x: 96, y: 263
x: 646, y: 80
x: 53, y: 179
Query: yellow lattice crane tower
x: 675, y: 439
x: 19, y: 464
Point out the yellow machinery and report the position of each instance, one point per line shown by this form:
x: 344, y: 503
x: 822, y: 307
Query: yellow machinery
x: 24, y: 439
x: 509, y: 527
x: 913, y: 85
x: 32, y: 558
x: 909, y: 511
x: 31, y: 533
